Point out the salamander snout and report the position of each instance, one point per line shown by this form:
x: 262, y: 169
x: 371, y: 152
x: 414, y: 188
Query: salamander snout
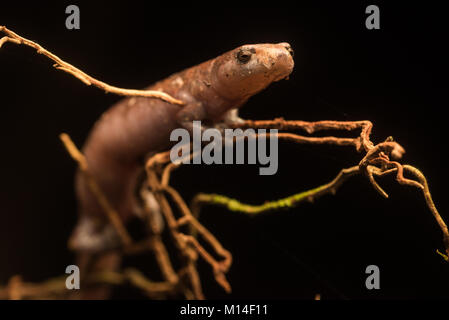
x: 288, y: 47
x: 264, y: 63
x: 278, y: 59
x: 250, y: 68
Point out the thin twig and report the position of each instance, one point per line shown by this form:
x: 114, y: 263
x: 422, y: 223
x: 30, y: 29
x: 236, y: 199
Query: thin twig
x: 56, y: 287
x: 430, y: 204
x: 77, y: 73
x: 202, y: 199
x: 111, y: 213
x: 159, y: 185
x: 312, y: 127
x: 288, y: 202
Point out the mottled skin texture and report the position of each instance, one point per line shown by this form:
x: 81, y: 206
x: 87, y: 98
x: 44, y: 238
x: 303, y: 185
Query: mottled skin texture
x: 134, y: 127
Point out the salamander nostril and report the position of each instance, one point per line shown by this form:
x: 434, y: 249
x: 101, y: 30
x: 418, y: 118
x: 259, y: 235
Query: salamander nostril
x: 290, y: 50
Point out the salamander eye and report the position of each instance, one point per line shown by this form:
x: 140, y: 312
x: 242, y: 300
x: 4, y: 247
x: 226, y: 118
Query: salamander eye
x: 243, y: 56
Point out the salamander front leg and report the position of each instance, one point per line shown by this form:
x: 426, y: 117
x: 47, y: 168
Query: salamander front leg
x: 232, y: 117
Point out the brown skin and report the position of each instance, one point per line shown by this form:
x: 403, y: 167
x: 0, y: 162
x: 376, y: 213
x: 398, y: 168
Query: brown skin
x: 128, y: 131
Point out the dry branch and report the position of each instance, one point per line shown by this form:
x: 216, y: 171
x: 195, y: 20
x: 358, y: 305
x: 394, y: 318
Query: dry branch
x: 56, y: 288
x: 111, y: 213
x: 376, y: 162
x: 77, y: 73
x: 186, y: 279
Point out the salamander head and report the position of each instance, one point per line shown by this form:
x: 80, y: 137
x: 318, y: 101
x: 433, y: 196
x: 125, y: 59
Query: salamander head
x: 243, y: 72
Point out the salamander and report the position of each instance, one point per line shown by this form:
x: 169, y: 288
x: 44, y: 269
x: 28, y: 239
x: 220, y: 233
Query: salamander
x: 127, y: 132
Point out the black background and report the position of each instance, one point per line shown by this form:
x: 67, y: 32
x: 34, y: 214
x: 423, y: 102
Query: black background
x: 396, y: 77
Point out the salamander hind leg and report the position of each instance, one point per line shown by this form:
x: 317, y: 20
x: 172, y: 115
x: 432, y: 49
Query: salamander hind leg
x: 151, y: 210
x: 91, y: 235
x: 97, y: 251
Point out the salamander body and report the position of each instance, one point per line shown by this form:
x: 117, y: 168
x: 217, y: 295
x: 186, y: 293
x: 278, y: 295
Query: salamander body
x: 120, y: 140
